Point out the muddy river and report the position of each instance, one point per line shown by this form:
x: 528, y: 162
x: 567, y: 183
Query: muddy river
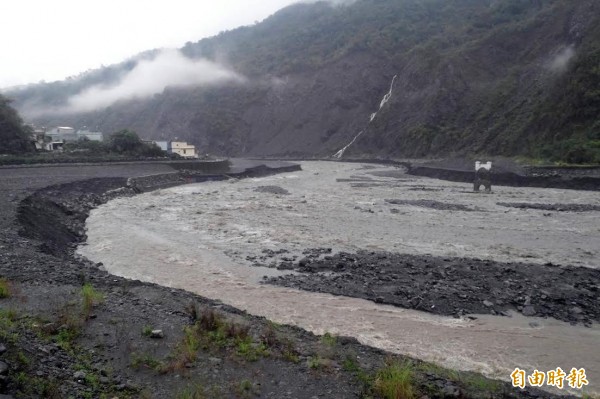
x: 201, y: 238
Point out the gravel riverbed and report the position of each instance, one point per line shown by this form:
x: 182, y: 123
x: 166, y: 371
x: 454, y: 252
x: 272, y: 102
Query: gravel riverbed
x: 51, y: 346
x: 417, y: 266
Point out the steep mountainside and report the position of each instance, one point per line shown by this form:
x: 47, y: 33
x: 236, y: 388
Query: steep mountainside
x: 472, y: 77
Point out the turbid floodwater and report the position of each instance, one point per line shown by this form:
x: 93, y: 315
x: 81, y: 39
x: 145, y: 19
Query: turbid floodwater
x: 207, y: 237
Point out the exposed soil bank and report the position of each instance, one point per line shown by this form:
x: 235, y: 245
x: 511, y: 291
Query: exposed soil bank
x: 56, y: 215
x: 109, y: 354
x: 451, y: 286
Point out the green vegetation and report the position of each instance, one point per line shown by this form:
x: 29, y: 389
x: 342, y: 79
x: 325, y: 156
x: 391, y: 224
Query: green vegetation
x: 572, y: 110
x: 15, y: 329
x: 10, y: 332
x: 5, y: 288
x: 147, y: 331
x: 480, y: 383
x: 189, y: 346
x: 350, y: 364
x: 66, y: 336
x: 329, y: 339
x: 7, y: 323
x: 193, y: 392
x: 316, y: 362
x: 246, y: 348
x: 147, y: 361
x: 212, y: 333
x: 584, y: 150
x: 124, y: 145
x: 432, y: 368
x: 40, y: 387
x: 90, y: 298
x: 14, y: 135
x: 472, y: 382
x: 289, y: 352
x: 127, y: 142
x: 247, y: 389
x: 92, y: 380
x: 398, y: 378
x: 395, y: 381
x: 71, y: 319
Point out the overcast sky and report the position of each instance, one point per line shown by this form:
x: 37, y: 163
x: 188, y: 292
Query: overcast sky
x: 53, y: 39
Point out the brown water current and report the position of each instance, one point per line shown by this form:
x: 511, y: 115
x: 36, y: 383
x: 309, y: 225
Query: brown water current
x: 197, y: 237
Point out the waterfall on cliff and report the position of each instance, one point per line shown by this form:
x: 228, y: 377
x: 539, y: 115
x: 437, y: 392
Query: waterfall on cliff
x: 386, y: 98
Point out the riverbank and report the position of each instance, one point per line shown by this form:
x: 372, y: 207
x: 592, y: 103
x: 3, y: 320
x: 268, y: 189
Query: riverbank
x: 62, y: 340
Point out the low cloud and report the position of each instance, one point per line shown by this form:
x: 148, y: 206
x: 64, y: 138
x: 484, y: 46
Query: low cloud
x: 332, y: 2
x: 169, y: 68
x: 341, y: 2
x: 560, y: 62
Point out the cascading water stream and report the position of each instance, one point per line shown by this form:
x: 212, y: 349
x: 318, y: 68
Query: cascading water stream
x: 386, y: 98
x: 340, y: 153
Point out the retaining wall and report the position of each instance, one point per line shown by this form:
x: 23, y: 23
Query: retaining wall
x: 151, y: 182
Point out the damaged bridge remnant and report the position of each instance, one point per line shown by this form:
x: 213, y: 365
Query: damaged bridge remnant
x: 482, y: 176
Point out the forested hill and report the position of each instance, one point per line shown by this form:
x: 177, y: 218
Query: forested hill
x: 14, y: 135
x: 510, y: 77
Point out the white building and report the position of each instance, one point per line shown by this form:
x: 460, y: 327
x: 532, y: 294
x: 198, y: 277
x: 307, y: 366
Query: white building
x: 183, y: 149
x: 65, y: 133
x: 38, y: 138
x: 163, y: 145
x: 62, y: 133
x: 54, y: 145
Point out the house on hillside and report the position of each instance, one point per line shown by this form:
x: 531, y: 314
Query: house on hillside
x: 38, y: 138
x: 181, y: 148
x: 54, y: 139
x: 62, y: 133
x: 66, y: 133
x: 43, y: 140
x: 54, y: 145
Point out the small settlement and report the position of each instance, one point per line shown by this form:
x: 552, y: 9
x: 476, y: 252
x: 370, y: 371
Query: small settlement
x: 180, y: 148
x: 55, y: 138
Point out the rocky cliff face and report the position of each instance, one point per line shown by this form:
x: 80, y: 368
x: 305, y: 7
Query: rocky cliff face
x: 496, y: 77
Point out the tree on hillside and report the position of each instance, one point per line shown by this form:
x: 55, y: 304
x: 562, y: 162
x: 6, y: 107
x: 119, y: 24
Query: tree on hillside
x: 86, y: 145
x: 128, y: 142
x: 14, y: 135
x: 125, y: 141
